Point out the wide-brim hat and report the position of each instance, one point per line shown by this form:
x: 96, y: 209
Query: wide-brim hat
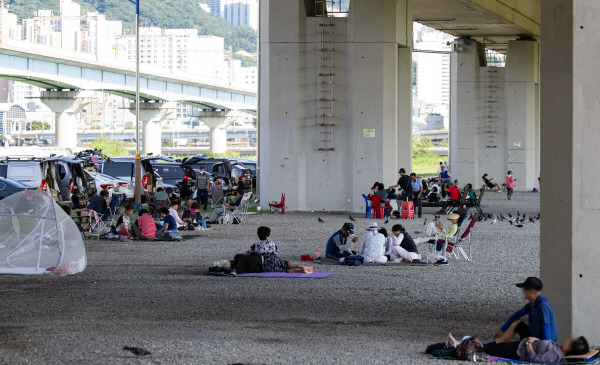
x: 453, y: 216
x: 373, y: 227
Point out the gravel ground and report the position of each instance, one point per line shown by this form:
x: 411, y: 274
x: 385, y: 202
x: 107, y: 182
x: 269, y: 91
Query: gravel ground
x: 157, y: 296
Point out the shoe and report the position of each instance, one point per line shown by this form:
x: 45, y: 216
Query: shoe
x: 207, y: 226
x: 441, y: 262
x: 416, y: 261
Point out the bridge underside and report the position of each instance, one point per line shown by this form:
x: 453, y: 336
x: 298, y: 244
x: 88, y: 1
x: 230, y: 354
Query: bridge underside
x: 495, y: 115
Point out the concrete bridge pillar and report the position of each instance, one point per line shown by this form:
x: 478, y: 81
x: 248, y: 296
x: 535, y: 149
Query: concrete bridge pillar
x: 218, y: 121
x: 570, y: 177
x: 65, y: 105
x: 494, y: 114
x: 152, y: 115
x: 335, y: 104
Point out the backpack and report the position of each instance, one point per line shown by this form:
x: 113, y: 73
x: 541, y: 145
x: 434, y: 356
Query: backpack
x: 467, y: 347
x: 353, y: 260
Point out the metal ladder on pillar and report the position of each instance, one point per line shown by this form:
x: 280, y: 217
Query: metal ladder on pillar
x: 325, y: 74
x: 491, y: 106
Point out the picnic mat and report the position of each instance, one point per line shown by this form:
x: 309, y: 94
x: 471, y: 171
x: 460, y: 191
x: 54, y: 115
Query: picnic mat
x: 590, y: 360
x: 326, y: 261
x: 314, y: 275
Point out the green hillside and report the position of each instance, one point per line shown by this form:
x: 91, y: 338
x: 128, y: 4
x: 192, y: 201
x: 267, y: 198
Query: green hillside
x: 158, y: 13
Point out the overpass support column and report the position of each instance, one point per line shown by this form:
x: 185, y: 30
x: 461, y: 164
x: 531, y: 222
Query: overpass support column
x: 152, y: 115
x: 65, y: 105
x: 522, y: 80
x: 570, y: 85
x: 335, y: 101
x: 218, y: 121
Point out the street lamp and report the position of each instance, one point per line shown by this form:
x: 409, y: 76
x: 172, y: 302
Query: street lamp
x: 138, y: 162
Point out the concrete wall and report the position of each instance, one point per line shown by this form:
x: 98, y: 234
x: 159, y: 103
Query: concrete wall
x: 371, y: 91
x: 569, y: 138
x: 494, y: 115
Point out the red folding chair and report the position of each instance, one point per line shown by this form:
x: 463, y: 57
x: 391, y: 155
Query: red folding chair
x: 380, y: 211
x: 278, y: 207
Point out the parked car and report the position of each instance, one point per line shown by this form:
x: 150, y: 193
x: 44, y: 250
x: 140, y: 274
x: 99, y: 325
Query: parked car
x: 217, y: 167
x: 169, y: 169
x: 111, y: 184
x: 250, y: 165
x: 123, y: 168
x: 245, y: 175
x: 61, y: 176
x: 9, y: 187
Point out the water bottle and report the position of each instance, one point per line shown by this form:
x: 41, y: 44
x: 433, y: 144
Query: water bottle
x: 318, y: 254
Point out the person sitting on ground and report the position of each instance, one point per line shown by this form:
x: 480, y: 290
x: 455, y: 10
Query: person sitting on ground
x: 173, y: 213
x: 264, y: 246
x: 542, y: 320
x: 454, y: 199
x: 489, y: 183
x: 471, y: 196
x: 388, y: 242
x: 437, y: 229
x: 229, y: 207
x: 171, y: 194
x: 193, y: 218
x: 185, y: 207
x: 373, y: 245
x: 246, y: 264
x: 338, y: 245
x: 96, y: 203
x: 161, y: 198
x: 169, y: 227
x: 144, y: 227
x: 403, y: 246
x: 123, y: 226
x: 532, y: 349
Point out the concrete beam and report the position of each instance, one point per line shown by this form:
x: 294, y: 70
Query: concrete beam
x: 524, y: 13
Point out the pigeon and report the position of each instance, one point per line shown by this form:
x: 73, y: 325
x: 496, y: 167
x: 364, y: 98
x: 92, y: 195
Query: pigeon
x: 480, y: 218
x: 350, y: 217
x: 509, y: 215
x: 511, y: 222
x: 538, y: 217
x: 494, y: 220
x: 485, y: 218
x: 386, y: 221
x: 320, y: 220
x: 519, y: 226
x: 137, y: 351
x: 502, y: 217
x: 437, y: 217
x: 425, y: 223
x: 531, y: 219
x: 518, y: 214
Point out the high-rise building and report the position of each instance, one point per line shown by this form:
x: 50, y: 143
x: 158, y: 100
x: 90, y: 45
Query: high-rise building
x: 215, y: 7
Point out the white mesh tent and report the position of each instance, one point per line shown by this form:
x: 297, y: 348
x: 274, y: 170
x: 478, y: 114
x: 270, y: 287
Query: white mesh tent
x: 38, y: 237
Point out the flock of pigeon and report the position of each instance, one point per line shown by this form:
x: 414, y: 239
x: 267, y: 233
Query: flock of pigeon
x: 515, y: 221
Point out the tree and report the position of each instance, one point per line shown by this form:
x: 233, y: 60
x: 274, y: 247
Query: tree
x: 37, y: 125
x: 110, y: 147
x: 246, y: 61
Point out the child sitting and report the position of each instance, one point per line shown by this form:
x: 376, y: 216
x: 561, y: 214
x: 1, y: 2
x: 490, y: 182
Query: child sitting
x: 123, y: 226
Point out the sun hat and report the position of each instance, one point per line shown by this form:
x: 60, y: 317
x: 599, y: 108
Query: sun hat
x: 373, y: 227
x: 453, y: 216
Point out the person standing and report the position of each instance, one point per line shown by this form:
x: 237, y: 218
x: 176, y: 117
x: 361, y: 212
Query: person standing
x: 510, y: 184
x: 417, y: 191
x: 202, y: 186
x: 404, y: 184
x: 445, y: 179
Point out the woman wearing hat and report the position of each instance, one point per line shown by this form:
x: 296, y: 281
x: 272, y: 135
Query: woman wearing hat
x: 437, y: 229
x: 373, y: 247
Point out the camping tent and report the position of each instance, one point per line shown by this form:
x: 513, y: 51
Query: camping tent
x: 38, y: 237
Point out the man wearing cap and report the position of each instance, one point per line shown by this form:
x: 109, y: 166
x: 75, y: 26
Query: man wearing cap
x: 542, y: 320
x: 405, y: 185
x: 373, y: 245
x: 338, y: 245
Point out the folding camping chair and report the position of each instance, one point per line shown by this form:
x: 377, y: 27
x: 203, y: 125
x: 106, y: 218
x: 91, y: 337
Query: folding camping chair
x: 97, y: 225
x: 278, y: 207
x: 454, y: 245
x: 217, y: 196
x: 476, y: 204
x: 239, y: 215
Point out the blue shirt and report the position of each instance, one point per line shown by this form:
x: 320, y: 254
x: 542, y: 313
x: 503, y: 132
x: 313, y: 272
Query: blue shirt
x: 444, y: 176
x: 171, y: 222
x: 542, y: 320
x: 336, y: 240
x: 417, y: 185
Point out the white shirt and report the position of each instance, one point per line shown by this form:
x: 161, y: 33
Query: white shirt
x: 174, y: 214
x: 373, y: 246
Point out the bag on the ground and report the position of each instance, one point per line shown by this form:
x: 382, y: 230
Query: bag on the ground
x: 441, y: 350
x: 467, y: 347
x: 353, y: 260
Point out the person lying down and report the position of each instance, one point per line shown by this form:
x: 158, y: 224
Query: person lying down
x: 253, y: 263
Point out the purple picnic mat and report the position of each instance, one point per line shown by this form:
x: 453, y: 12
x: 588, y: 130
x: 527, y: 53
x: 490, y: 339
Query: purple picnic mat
x: 315, y: 275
